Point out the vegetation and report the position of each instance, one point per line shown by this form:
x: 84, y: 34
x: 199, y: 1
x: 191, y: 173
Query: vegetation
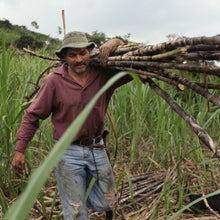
x: 151, y: 137
x: 15, y: 34
x: 99, y: 38
x: 20, y: 36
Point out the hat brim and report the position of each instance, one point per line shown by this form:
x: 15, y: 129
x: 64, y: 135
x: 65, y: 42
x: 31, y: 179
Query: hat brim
x: 78, y: 45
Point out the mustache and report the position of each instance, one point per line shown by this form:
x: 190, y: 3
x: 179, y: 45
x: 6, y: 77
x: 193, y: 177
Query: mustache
x: 80, y: 63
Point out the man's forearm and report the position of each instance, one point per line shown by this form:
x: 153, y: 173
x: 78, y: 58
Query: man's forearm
x: 113, y: 44
x: 107, y: 48
x: 26, y: 132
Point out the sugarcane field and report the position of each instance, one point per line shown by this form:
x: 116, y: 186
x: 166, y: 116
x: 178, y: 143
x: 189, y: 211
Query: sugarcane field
x: 164, y: 131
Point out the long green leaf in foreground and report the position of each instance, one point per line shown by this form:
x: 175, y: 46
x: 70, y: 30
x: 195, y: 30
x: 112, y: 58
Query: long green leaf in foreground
x: 20, y: 209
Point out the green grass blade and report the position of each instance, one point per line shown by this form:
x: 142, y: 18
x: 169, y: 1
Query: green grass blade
x: 43, y: 204
x: 120, y: 179
x: 92, y: 181
x: 3, y: 202
x: 131, y: 189
x: 53, y: 204
x: 129, y: 183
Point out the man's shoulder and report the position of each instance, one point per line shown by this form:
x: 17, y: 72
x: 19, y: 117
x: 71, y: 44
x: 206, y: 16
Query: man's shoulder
x: 52, y: 76
x: 57, y: 73
x: 103, y: 71
x: 51, y: 79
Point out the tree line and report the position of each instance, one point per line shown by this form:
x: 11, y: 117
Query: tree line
x: 34, y: 40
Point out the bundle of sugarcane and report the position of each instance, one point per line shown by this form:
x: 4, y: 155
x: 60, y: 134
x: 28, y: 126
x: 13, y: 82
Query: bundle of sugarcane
x: 157, y: 61
x: 143, y: 191
x: 154, y: 60
x: 196, y: 55
x: 143, y: 186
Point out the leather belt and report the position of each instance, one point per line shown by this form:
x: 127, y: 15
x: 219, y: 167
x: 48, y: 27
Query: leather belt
x: 87, y: 142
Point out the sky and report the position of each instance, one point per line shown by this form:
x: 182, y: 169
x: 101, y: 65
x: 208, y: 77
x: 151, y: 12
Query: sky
x: 147, y: 21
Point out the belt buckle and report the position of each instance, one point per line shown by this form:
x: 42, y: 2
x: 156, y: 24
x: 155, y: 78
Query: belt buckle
x: 85, y: 142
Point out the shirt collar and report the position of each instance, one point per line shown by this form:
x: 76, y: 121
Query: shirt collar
x: 63, y: 71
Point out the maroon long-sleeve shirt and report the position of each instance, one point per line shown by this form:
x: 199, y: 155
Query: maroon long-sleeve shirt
x: 60, y: 95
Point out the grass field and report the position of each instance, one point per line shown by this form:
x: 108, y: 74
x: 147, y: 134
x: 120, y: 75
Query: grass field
x: 151, y: 138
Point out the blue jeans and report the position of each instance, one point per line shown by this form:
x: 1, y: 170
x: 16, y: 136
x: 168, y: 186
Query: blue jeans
x: 73, y: 173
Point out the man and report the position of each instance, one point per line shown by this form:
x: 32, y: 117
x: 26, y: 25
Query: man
x: 64, y: 93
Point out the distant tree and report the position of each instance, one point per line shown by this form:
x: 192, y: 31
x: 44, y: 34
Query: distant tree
x: 28, y: 41
x: 125, y: 38
x: 6, y: 24
x: 54, y: 44
x: 171, y: 37
x: 60, y: 30
x: 22, y: 26
x: 34, y: 24
x: 97, y: 37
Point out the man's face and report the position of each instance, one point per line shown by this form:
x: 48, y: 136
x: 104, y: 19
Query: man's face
x: 77, y: 59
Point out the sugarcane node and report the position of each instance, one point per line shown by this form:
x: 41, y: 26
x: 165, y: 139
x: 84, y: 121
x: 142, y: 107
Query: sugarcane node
x: 146, y: 83
x: 217, y: 152
x: 144, y: 77
x: 199, y: 133
x: 180, y: 87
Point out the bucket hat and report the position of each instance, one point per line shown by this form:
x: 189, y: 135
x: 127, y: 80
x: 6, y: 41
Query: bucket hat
x: 74, y: 39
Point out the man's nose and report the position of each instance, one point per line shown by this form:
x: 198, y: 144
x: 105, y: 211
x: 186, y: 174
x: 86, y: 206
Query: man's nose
x: 78, y: 58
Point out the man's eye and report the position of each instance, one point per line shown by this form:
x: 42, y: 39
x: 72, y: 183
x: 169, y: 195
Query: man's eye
x: 83, y: 53
x: 72, y: 55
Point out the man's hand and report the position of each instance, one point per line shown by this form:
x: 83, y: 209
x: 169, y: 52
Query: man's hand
x: 107, y: 48
x: 18, y: 163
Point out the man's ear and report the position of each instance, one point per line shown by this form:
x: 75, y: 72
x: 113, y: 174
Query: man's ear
x: 63, y: 55
x: 89, y: 49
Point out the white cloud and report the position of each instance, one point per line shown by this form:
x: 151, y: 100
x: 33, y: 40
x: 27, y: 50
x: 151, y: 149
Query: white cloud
x: 145, y: 20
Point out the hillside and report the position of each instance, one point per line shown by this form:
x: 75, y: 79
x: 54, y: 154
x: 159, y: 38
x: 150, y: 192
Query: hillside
x: 20, y: 36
